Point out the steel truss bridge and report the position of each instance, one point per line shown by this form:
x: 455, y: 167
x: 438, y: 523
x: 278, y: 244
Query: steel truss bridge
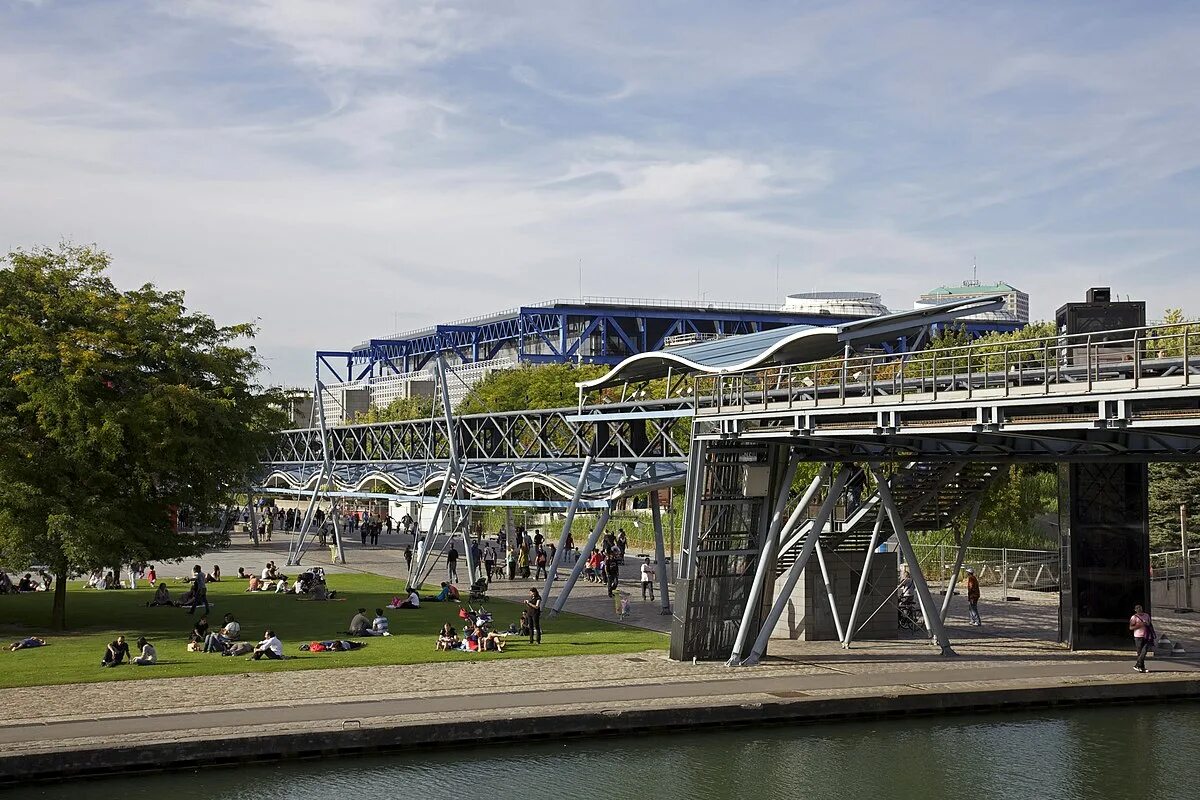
x: 922, y: 436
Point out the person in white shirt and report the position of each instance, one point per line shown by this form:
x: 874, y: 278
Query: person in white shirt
x: 647, y: 579
x: 270, y: 647
x: 413, y: 601
x: 149, y: 654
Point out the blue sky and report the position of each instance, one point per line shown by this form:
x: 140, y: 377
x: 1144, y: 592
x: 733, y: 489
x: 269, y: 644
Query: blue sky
x: 340, y: 170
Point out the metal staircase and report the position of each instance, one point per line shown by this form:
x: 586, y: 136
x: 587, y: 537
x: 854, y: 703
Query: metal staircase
x: 928, y: 495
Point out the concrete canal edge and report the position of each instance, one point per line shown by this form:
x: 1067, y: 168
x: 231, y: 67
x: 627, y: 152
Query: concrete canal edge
x: 123, y: 759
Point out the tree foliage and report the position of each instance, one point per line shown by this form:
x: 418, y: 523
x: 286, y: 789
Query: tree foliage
x: 399, y: 410
x: 528, y: 387
x: 116, y: 408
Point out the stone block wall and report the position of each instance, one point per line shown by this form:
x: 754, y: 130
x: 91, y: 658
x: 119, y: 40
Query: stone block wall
x: 807, y: 615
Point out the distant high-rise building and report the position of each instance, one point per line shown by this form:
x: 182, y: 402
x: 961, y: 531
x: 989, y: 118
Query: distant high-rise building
x: 1016, y: 302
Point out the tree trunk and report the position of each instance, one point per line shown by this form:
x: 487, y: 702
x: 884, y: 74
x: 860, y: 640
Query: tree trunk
x: 58, y: 615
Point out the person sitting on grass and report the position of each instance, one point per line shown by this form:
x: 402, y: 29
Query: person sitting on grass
x: 219, y: 642
x: 27, y: 584
x: 448, y: 592
x: 413, y: 601
x: 281, y: 586
x: 489, y: 640
x: 6, y: 584
x: 270, y: 647
x: 200, y: 630
x: 359, y: 624
x: 448, y: 638
x: 242, y: 573
x: 255, y: 584
x: 47, y: 580
x: 215, y: 575
x: 26, y: 643
x: 148, y: 654
x: 162, y: 596
x: 379, y: 625
x: 115, y: 653
x: 111, y: 582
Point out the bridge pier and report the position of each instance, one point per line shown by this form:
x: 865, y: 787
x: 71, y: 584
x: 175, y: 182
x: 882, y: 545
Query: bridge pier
x: 1104, y: 534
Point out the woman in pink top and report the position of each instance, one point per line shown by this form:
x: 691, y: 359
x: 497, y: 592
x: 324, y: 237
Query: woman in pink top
x: 1143, y: 636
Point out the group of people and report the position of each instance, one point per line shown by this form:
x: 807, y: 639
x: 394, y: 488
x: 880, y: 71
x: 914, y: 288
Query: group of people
x: 479, y: 636
x: 26, y: 583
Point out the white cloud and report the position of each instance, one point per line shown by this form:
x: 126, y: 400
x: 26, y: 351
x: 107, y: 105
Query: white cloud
x: 344, y: 169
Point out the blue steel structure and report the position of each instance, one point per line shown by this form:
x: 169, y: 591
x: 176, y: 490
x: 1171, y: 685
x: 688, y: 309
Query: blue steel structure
x: 587, y: 331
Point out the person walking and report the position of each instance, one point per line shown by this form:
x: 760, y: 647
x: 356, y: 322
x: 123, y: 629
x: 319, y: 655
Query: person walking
x: 973, y: 597
x: 534, y: 614
x: 512, y: 563
x: 199, y: 589
x: 647, y: 571
x: 375, y: 533
x: 1143, y: 636
x: 612, y: 571
x: 452, y: 564
x: 489, y: 562
x: 539, y: 563
x: 408, y: 557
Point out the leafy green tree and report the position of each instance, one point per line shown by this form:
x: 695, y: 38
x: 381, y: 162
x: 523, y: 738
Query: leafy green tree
x: 1172, y: 485
x: 117, y: 408
x: 399, y: 410
x: 531, y: 386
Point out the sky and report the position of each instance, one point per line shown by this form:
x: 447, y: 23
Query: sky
x: 342, y: 170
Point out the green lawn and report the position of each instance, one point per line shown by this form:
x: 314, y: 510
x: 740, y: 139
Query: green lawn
x: 97, y: 617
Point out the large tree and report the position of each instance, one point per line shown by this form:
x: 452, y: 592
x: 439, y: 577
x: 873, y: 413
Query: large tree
x: 117, y: 408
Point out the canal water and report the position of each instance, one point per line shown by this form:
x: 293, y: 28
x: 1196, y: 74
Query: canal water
x: 1114, y: 752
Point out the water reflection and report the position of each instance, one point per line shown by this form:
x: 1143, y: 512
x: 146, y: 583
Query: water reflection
x: 1117, y: 752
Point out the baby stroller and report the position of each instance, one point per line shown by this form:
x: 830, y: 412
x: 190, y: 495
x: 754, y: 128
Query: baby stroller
x: 909, y: 615
x: 479, y: 591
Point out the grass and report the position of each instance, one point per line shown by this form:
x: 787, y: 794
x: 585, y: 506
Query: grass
x: 96, y: 618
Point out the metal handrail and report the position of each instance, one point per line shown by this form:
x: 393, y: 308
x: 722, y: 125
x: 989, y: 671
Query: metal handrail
x: 1127, y: 353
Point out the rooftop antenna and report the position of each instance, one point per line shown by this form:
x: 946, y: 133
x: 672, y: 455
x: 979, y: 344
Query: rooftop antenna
x: 974, y: 273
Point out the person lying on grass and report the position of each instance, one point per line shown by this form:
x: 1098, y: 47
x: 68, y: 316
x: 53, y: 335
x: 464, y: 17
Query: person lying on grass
x: 115, y: 653
x: 25, y: 644
x: 334, y: 645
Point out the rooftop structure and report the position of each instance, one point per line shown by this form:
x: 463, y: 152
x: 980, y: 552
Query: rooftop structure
x: 585, y: 330
x: 1016, y: 302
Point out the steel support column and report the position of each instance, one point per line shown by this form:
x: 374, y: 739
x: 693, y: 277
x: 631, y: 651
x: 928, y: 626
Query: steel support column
x: 932, y: 619
x: 768, y: 552
x: 581, y: 562
x: 962, y: 553
x: 862, y: 580
x: 837, y: 621
x: 793, y: 573
x: 566, y: 529
x: 660, y: 551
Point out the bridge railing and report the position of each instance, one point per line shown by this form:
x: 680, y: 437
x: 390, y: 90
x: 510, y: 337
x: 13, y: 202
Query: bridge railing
x: 1164, y: 353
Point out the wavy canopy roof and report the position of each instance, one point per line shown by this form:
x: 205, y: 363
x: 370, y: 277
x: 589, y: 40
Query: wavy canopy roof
x: 794, y: 344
